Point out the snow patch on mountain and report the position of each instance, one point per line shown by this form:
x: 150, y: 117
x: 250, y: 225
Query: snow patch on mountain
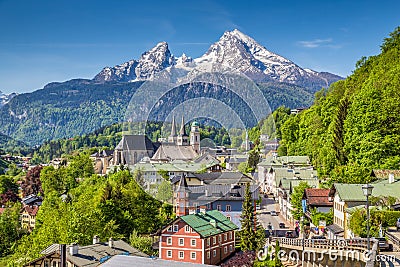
x: 234, y: 50
x: 5, y: 98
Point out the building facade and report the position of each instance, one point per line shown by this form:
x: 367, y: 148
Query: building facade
x: 206, y: 237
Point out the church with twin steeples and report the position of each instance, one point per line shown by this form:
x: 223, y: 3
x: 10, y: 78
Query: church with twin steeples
x: 134, y: 148
x: 179, y: 146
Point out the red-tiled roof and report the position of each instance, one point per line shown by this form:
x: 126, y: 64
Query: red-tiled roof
x: 317, y: 197
x: 31, y: 210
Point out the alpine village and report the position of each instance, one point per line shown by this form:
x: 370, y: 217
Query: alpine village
x: 319, y: 173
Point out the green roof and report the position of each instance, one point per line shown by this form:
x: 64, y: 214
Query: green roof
x: 353, y: 192
x: 283, y: 160
x: 176, y: 166
x: 202, y: 223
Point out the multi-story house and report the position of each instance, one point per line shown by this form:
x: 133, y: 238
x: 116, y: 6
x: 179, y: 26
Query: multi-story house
x: 349, y: 196
x: 207, y: 237
x: 226, y: 197
x: 28, y: 217
x: 284, y: 193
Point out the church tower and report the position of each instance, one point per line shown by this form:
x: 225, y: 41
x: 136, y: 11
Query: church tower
x: 183, y: 139
x: 182, y: 198
x: 172, y: 138
x: 195, y: 137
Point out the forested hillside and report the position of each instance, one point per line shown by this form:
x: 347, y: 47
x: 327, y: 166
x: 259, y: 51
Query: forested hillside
x: 79, y: 107
x: 354, y: 126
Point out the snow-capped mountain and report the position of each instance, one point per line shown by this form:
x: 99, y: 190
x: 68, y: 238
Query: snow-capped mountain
x: 4, y: 98
x: 234, y: 50
x: 155, y: 60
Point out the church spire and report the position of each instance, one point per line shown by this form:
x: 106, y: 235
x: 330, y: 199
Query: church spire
x: 173, y: 128
x: 183, y: 138
x: 173, y: 135
x: 183, y: 131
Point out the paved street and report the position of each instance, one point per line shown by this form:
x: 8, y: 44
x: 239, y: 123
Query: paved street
x: 265, y: 217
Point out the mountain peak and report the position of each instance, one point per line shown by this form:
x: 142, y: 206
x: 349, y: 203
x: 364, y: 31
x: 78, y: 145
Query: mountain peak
x: 234, y: 49
x: 155, y: 60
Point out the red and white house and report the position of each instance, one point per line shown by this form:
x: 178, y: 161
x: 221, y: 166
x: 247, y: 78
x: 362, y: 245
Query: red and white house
x: 204, y: 237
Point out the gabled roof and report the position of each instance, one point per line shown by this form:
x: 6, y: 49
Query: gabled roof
x: 182, y: 186
x: 169, y: 151
x: 202, y: 223
x: 335, y: 229
x: 230, y: 178
x: 92, y: 255
x: 205, y: 194
x: 31, y: 210
x: 317, y: 197
x: 135, y: 142
x: 31, y: 199
x: 354, y: 192
x: 103, y: 154
x: 207, y: 159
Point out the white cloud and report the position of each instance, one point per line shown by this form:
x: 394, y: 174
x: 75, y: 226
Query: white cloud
x: 319, y: 43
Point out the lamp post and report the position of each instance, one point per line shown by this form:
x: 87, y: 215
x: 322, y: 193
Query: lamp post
x: 303, y: 230
x: 367, y: 191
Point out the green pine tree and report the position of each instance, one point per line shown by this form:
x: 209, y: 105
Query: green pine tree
x: 250, y: 237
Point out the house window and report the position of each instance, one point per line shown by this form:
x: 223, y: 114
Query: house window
x: 54, y: 264
x: 228, y: 207
x: 208, y: 241
x: 169, y: 253
x: 225, y: 250
x: 181, y: 255
x: 187, y: 229
x: 225, y: 236
x: 219, y: 207
x: 208, y: 254
x: 169, y: 240
x: 181, y: 242
x: 193, y: 242
x: 214, y: 240
x: 219, y: 238
x: 193, y: 255
x: 214, y: 253
x: 230, y: 248
x: 175, y: 228
x: 230, y: 235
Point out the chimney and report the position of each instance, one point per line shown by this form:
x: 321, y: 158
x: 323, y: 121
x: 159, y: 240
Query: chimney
x: 96, y: 239
x: 213, y: 223
x: 192, y: 210
x: 73, y: 249
x: 391, y: 178
x: 63, y: 255
x: 111, y: 242
x: 203, y: 209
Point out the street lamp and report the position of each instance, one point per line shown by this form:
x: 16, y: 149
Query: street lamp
x: 367, y: 191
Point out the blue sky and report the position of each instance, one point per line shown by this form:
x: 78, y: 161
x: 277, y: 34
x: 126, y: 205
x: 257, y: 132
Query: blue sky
x: 45, y: 40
